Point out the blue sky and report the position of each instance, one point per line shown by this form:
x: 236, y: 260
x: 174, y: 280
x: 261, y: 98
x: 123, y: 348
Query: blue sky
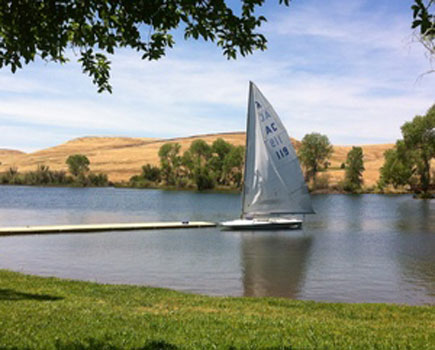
x: 347, y: 69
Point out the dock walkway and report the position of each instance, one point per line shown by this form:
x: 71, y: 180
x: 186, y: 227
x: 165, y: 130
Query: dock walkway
x: 104, y: 227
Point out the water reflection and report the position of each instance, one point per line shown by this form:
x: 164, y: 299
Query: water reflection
x: 274, y: 264
x: 415, y: 248
x: 365, y: 248
x: 416, y: 214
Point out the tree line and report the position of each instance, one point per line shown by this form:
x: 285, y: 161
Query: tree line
x: 314, y: 152
x: 406, y: 167
x: 78, y: 174
x: 221, y: 165
x: 202, y: 166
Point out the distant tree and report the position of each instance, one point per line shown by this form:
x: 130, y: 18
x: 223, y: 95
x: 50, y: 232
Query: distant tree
x: 220, y: 150
x: 200, y: 152
x: 93, y: 29
x: 170, y: 162
x: 419, y: 139
x: 354, y: 169
x: 409, y: 162
x: 195, y: 159
x: 204, y: 179
x: 11, y: 177
x: 151, y: 173
x: 397, y: 169
x: 315, y: 149
x: 78, y: 165
x: 42, y: 175
x: 233, y: 166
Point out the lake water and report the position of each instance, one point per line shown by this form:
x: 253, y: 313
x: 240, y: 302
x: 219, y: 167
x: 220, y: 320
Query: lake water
x: 357, y: 248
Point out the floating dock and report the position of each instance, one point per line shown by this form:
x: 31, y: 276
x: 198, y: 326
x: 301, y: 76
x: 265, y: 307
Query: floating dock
x: 25, y: 230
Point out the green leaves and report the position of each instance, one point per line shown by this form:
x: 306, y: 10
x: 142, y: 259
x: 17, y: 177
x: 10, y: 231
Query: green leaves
x: 47, y: 28
x: 424, y: 22
x: 78, y: 164
x: 354, y: 169
x: 315, y: 149
x: 98, y: 67
x: 412, y: 155
x: 423, y: 18
x: 170, y: 162
x: 202, y: 165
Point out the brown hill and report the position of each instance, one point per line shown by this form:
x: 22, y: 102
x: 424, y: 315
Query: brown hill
x: 122, y: 157
x: 9, y: 152
x: 7, y: 155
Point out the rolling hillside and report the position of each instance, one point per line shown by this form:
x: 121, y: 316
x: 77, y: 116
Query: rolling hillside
x: 122, y: 157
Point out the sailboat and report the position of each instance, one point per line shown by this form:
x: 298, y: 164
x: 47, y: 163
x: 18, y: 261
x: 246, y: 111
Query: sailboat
x: 274, y: 189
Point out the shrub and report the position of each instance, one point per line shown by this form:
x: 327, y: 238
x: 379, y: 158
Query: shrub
x: 151, y: 173
x: 203, y: 179
x: 98, y: 179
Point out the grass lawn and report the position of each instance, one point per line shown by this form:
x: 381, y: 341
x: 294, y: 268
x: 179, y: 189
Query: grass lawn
x: 51, y: 313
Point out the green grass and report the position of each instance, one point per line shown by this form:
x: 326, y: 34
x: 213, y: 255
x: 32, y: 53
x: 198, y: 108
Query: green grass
x: 50, y: 313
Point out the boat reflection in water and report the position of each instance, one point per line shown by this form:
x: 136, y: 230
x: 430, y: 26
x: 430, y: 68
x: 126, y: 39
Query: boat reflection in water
x: 274, y: 263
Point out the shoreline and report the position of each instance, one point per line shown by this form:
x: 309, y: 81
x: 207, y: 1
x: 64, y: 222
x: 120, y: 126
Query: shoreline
x: 224, y: 189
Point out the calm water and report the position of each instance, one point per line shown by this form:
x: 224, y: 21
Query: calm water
x: 366, y: 248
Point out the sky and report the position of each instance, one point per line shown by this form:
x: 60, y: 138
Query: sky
x: 348, y: 69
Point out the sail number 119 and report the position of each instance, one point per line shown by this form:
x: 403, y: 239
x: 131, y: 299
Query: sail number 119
x: 283, y: 152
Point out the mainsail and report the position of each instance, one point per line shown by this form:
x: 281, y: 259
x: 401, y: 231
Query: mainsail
x: 273, y: 180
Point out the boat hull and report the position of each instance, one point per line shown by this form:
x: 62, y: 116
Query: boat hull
x: 265, y: 224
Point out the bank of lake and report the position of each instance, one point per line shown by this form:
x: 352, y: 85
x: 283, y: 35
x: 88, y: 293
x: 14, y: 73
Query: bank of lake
x: 50, y: 313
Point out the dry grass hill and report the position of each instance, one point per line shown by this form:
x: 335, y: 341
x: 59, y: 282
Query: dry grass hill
x: 122, y: 157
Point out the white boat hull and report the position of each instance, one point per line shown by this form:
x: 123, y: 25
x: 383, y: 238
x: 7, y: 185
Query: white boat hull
x: 262, y: 224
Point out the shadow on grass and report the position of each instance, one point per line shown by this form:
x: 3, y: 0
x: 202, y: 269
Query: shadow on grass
x: 10, y: 294
x: 93, y: 344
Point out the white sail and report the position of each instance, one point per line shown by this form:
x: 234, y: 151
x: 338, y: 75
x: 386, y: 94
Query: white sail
x: 273, y: 182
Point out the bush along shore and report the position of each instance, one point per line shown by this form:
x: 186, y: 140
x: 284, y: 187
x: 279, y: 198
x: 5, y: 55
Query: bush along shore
x: 78, y: 176
x: 50, y: 313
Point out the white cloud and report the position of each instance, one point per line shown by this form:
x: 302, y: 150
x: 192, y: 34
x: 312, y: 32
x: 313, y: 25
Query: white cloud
x: 356, y: 82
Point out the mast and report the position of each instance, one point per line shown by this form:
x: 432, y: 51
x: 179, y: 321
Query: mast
x: 248, y: 123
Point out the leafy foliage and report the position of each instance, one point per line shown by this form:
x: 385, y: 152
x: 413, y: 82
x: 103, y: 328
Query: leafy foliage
x: 354, y: 169
x: 314, y: 151
x: 424, y: 23
x: 397, y: 168
x: 419, y: 138
x: 220, y: 150
x: 202, y: 166
x: 409, y: 162
x: 233, y: 166
x: 170, y: 162
x: 98, y: 180
x: 196, y: 159
x: 43, y: 176
x: 151, y: 173
x: 47, y: 29
x: 78, y: 164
